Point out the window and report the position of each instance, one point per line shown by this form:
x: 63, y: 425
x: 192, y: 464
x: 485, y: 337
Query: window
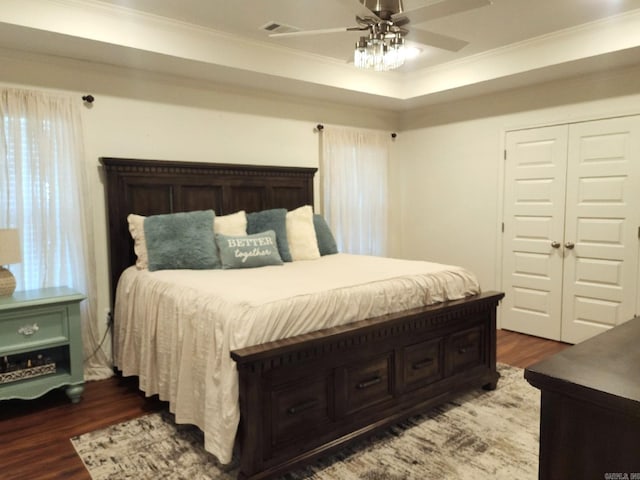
x: 354, y: 188
x: 43, y: 196
x: 38, y: 171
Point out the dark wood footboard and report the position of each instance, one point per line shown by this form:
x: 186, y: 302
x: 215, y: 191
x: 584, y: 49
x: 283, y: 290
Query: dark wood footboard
x: 305, y: 396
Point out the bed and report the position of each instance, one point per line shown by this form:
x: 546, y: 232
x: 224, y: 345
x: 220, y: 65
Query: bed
x: 321, y: 386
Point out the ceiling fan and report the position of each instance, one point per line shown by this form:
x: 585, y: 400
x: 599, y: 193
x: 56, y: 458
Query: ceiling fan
x: 386, y: 23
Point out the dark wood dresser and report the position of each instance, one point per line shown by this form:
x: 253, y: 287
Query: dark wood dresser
x: 590, y: 411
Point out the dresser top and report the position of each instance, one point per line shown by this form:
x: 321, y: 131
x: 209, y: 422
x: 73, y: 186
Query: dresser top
x: 44, y: 296
x: 604, y: 369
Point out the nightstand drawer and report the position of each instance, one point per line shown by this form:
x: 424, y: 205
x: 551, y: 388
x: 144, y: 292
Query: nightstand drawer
x: 33, y: 328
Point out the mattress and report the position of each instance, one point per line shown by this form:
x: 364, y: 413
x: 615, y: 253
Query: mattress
x: 175, y: 329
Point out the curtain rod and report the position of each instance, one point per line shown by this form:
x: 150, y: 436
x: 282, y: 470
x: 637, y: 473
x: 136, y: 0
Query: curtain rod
x: 320, y: 128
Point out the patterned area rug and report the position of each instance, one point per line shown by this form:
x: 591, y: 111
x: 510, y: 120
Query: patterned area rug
x: 480, y: 435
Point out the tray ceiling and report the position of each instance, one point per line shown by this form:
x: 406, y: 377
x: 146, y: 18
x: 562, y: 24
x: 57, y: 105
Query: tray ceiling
x: 512, y: 43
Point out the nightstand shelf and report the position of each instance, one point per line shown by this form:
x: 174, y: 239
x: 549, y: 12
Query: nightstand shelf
x: 41, y: 327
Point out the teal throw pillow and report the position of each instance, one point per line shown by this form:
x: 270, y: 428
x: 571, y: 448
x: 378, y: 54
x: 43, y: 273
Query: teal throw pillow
x: 179, y: 241
x: 326, y: 241
x: 276, y: 220
x: 248, y: 251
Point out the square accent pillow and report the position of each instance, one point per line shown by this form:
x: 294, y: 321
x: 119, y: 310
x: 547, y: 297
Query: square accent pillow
x: 233, y: 224
x: 136, y: 229
x: 179, y: 241
x: 250, y: 251
x: 326, y: 241
x: 276, y: 220
x: 301, y: 234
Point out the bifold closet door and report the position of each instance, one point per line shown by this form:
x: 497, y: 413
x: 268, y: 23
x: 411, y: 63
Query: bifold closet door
x: 535, y: 180
x: 601, y: 227
x: 571, y: 228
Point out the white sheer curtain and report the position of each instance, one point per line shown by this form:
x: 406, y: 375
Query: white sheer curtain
x: 44, y: 194
x: 354, y: 188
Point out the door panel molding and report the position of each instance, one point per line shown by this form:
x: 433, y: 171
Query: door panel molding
x: 533, y: 209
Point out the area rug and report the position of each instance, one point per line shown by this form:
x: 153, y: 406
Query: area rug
x: 492, y: 435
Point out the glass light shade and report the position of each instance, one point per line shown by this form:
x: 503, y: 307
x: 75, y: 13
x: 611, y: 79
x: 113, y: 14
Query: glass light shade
x: 396, y: 53
x: 360, y: 53
x: 379, y: 53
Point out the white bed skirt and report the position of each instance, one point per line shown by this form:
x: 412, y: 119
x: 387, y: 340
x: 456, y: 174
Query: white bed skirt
x: 175, y: 329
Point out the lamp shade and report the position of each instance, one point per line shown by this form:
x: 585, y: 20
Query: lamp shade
x: 9, y: 246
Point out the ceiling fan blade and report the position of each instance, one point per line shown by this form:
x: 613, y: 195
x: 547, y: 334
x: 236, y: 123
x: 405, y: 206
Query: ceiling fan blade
x: 322, y: 31
x: 439, y: 10
x: 358, y: 9
x: 436, y: 40
x: 401, y: 21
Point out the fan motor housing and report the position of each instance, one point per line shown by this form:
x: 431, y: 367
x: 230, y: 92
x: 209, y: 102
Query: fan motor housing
x: 384, y: 8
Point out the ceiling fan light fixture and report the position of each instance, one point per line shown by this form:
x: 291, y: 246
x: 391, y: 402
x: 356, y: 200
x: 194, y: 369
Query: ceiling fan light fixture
x: 360, y: 53
x: 396, y: 53
x: 380, y: 51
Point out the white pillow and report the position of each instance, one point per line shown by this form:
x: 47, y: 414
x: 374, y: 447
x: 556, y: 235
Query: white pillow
x: 136, y: 229
x: 301, y: 234
x: 234, y: 225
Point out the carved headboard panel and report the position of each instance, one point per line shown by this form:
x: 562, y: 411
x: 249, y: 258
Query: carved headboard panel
x: 152, y: 187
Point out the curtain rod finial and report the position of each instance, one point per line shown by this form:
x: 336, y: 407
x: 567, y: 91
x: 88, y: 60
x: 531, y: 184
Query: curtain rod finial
x: 320, y: 127
x: 88, y: 98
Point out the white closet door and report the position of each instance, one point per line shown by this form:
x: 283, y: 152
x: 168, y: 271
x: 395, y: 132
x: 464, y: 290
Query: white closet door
x: 602, y: 221
x: 535, y: 180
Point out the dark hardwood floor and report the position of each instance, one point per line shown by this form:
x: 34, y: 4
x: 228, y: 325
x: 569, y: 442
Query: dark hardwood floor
x: 521, y: 350
x: 34, y: 435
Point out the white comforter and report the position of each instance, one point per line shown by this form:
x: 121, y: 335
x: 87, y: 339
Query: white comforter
x: 175, y: 328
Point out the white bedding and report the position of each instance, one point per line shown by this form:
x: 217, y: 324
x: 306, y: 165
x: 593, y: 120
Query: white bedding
x: 176, y: 328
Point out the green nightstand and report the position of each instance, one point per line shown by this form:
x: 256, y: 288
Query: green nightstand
x: 41, y: 344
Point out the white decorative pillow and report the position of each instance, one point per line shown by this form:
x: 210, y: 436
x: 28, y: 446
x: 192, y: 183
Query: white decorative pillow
x: 136, y: 229
x: 301, y: 234
x: 234, y: 224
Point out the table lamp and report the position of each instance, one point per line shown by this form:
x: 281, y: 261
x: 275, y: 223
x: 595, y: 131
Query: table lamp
x: 9, y: 253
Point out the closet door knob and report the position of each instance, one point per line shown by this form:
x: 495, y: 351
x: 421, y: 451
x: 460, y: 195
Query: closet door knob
x: 555, y: 244
x: 569, y: 245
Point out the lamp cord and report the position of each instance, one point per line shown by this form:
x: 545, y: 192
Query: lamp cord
x: 99, y: 347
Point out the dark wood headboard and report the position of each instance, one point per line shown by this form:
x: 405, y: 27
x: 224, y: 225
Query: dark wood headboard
x: 152, y: 187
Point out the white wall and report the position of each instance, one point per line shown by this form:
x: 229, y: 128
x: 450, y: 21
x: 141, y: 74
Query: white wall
x: 137, y: 114
x: 447, y: 159
x: 448, y: 163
